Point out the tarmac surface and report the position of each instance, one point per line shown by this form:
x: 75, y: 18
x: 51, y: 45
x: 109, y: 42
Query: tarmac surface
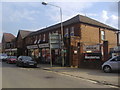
x: 94, y: 75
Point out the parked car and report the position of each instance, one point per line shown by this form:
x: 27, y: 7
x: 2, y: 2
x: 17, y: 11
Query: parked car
x: 112, y: 64
x: 11, y: 59
x: 26, y: 61
x: 3, y: 56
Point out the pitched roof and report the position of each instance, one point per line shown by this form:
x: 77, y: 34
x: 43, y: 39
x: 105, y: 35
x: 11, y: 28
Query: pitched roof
x: 76, y: 19
x: 8, y: 37
x: 24, y: 33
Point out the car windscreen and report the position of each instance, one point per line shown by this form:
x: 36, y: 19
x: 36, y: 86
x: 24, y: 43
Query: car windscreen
x: 27, y: 58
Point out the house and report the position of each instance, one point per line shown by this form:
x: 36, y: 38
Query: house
x: 20, y: 42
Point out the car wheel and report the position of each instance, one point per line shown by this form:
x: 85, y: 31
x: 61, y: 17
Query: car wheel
x: 107, y: 69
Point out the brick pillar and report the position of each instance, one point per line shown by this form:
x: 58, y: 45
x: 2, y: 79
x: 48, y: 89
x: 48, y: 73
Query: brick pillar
x: 105, y: 50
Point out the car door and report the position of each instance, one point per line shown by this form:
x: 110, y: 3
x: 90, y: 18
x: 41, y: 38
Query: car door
x: 118, y: 59
x: 114, y: 63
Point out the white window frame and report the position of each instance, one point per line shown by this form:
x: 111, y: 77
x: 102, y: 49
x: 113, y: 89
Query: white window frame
x: 102, y: 35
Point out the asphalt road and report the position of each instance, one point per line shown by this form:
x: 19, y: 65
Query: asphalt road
x: 18, y: 77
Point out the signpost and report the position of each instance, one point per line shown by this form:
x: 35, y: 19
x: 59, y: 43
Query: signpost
x: 55, y: 42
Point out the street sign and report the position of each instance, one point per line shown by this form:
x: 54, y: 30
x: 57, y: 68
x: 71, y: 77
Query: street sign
x: 54, y: 40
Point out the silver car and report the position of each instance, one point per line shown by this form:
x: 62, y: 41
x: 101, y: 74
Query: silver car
x: 112, y: 64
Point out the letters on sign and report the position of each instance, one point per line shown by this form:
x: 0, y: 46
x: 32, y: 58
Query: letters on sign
x: 92, y: 48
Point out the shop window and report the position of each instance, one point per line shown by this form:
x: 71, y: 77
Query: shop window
x: 72, y: 31
x: 102, y: 35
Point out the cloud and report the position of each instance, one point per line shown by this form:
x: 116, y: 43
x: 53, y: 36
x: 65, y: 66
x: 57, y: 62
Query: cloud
x: 16, y: 12
x: 105, y: 16
x: 69, y: 9
x: 25, y: 14
x: 108, y: 18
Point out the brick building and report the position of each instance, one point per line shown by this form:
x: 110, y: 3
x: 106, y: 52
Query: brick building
x: 20, y: 41
x: 86, y: 42
x: 9, y: 44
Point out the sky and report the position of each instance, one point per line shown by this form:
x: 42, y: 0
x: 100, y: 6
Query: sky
x: 32, y: 15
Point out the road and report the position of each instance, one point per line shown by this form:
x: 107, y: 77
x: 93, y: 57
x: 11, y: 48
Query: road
x: 19, y: 77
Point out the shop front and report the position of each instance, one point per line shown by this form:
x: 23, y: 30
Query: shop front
x: 41, y: 53
x: 11, y: 52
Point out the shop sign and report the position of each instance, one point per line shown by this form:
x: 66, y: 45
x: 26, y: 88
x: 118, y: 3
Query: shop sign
x: 117, y: 48
x: 32, y: 47
x: 91, y: 48
x: 92, y: 56
x: 43, y: 45
x: 14, y: 49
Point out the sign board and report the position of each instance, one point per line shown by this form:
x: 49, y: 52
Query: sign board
x: 91, y: 48
x: 54, y: 40
x: 117, y: 48
x: 54, y: 46
x: 32, y: 47
x: 14, y: 49
x: 92, y: 56
x: 45, y: 45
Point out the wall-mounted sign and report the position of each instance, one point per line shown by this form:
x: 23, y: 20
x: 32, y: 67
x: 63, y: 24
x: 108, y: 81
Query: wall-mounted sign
x: 45, y: 45
x: 32, y: 47
x: 92, y: 56
x: 14, y: 49
x: 91, y: 48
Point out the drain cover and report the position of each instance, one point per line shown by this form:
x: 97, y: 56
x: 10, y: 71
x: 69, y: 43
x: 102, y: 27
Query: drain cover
x: 49, y: 77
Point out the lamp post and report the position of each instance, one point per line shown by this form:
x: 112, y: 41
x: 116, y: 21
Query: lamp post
x: 62, y: 45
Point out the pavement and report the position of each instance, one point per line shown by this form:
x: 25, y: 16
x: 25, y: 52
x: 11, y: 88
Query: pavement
x: 93, y: 75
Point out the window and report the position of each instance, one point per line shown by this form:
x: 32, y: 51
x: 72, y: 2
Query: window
x: 44, y: 37
x: 103, y: 35
x: 39, y: 39
x: 72, y: 31
x: 35, y: 40
x: 66, y: 32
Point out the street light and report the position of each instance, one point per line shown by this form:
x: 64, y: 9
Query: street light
x: 62, y: 46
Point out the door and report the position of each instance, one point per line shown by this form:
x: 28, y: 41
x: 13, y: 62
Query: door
x: 115, y: 62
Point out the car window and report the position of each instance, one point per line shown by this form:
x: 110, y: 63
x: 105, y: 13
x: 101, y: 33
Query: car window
x: 116, y: 59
